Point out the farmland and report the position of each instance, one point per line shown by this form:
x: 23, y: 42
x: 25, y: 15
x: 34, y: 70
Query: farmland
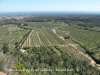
x: 11, y: 34
x: 49, y: 44
x: 52, y: 34
x: 89, y: 39
x: 41, y: 37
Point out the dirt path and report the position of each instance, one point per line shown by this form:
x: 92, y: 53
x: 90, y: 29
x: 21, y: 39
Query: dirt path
x: 54, y: 31
x: 93, y: 63
x: 22, y: 50
x: 56, y: 34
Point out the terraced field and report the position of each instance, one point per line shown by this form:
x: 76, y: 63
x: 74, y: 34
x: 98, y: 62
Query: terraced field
x: 76, y: 53
x: 46, y: 37
x: 42, y: 37
x: 89, y: 39
x: 38, y: 36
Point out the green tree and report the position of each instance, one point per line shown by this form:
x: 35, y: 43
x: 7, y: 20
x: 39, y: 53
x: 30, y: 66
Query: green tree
x: 16, y: 44
x: 21, y: 69
x: 5, y: 48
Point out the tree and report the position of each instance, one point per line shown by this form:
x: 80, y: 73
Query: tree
x: 5, y: 48
x: 25, y: 25
x: 16, y: 44
x: 67, y: 37
x: 21, y: 69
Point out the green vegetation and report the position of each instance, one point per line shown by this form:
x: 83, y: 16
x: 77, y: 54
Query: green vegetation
x: 10, y: 34
x: 5, y: 48
x: 51, y: 45
x: 3, y: 59
x: 46, y: 61
x: 41, y: 37
x: 88, y: 39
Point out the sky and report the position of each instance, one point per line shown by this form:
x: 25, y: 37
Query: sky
x: 49, y: 5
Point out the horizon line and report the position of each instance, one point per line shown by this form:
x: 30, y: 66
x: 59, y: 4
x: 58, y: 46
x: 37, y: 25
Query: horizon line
x: 51, y: 12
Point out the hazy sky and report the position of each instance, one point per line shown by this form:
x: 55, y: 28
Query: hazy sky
x: 49, y: 5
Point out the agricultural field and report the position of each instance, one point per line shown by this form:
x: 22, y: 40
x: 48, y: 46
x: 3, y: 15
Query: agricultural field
x: 10, y: 34
x: 53, y: 34
x: 46, y: 35
x: 89, y: 39
x: 37, y: 39
x: 50, y: 34
x: 42, y: 37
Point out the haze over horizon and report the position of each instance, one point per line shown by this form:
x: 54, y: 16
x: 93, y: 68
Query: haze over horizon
x: 49, y: 5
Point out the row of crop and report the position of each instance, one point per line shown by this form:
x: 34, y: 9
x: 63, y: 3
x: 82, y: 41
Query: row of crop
x: 75, y: 53
x: 60, y: 41
x: 28, y: 41
x: 90, y: 39
x: 24, y: 39
x: 50, y: 38
x: 35, y: 39
x: 44, y: 39
x: 60, y: 33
